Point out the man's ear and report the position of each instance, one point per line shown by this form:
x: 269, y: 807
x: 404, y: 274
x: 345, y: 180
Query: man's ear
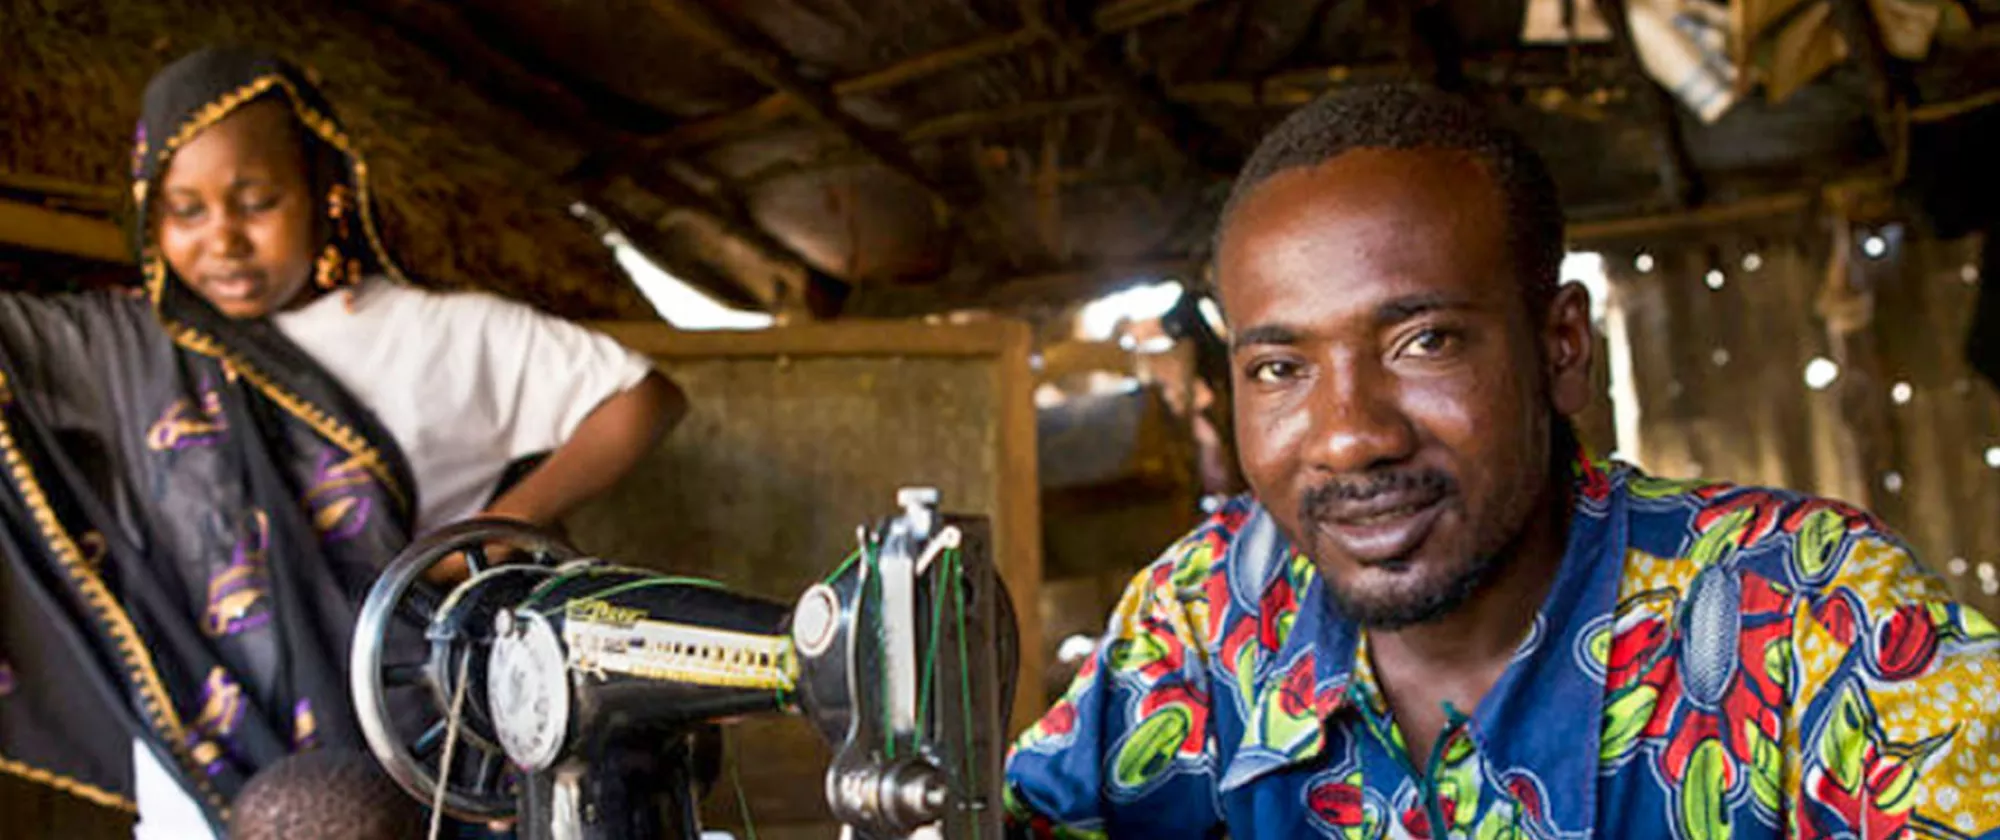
x: 1567, y: 345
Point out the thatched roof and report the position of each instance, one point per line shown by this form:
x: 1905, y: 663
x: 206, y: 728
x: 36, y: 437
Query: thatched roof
x: 469, y: 188
x: 927, y: 154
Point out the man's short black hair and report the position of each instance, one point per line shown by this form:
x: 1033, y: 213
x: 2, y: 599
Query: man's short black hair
x: 1405, y: 116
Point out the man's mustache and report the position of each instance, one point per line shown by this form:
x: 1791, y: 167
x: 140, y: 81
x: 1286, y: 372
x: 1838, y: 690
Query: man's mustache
x: 1321, y: 502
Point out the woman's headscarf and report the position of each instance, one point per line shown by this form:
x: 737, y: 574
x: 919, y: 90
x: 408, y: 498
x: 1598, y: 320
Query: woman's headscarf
x: 191, y: 509
x: 200, y: 90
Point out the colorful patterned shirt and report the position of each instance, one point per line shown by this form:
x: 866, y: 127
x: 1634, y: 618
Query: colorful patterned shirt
x: 1712, y: 661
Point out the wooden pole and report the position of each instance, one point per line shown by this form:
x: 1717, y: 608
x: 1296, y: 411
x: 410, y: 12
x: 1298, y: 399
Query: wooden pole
x: 1679, y: 179
x: 1856, y: 22
x: 40, y: 229
x: 1762, y: 207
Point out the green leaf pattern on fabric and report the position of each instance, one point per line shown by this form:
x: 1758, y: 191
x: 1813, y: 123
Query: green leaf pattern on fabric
x: 1818, y: 543
x: 1151, y: 747
x: 1625, y: 716
x: 1703, y: 791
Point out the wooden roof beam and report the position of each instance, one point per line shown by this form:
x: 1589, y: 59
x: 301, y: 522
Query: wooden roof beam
x: 1110, y: 18
x: 438, y: 28
x: 774, y: 69
x: 726, y: 213
x: 1201, y: 145
x: 41, y: 229
x: 777, y: 106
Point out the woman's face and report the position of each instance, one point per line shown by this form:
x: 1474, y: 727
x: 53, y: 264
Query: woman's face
x: 236, y: 212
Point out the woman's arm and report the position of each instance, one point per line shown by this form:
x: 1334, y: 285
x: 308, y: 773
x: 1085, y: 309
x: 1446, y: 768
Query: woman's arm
x: 605, y: 448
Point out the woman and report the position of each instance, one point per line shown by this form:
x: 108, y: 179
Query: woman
x: 203, y: 478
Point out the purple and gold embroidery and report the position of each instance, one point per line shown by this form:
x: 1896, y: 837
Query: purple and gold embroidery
x: 338, y: 498
x: 139, y: 165
x: 206, y: 754
x: 183, y: 425
x: 236, y: 597
x: 305, y: 730
x: 222, y: 710
x: 221, y: 704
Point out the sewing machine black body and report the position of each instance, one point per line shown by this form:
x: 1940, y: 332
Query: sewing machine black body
x: 588, y: 694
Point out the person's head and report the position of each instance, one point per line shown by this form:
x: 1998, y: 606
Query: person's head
x: 237, y: 212
x: 247, y: 191
x: 324, y: 793
x: 1404, y: 359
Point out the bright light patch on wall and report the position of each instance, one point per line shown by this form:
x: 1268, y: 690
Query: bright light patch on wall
x: 1753, y: 261
x: 1993, y: 457
x: 1714, y: 278
x: 1902, y: 393
x: 1821, y: 372
x: 1139, y: 303
x: 680, y: 304
x: 1587, y: 268
x: 1643, y: 262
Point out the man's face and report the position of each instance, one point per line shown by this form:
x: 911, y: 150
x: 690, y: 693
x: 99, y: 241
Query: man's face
x: 1394, y: 395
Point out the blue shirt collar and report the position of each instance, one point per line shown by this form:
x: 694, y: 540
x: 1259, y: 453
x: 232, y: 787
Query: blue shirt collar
x: 1554, y: 681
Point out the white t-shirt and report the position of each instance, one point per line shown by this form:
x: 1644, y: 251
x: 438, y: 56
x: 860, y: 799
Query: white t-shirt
x: 465, y: 383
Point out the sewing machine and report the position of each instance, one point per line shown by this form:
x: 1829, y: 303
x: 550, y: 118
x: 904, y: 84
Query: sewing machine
x: 580, y: 698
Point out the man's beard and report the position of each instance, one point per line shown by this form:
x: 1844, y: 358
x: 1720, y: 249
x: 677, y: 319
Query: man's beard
x: 1427, y: 600
x: 1432, y: 600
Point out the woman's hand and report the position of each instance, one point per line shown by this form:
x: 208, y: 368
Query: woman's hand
x: 605, y: 447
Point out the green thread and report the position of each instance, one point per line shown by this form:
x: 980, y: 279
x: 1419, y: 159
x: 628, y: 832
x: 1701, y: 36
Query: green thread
x: 652, y: 582
x: 954, y: 567
x: 543, y: 589
x: 930, y: 655
x: 838, y: 570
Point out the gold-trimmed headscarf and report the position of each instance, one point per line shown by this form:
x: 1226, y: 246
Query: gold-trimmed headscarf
x: 201, y: 89
x: 193, y: 94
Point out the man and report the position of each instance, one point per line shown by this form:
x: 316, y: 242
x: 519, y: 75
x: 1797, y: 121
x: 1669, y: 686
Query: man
x: 1435, y: 618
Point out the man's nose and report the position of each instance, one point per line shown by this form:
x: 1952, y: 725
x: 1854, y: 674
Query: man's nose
x: 1358, y: 423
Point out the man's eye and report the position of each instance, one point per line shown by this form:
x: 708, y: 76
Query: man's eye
x: 1430, y: 343
x: 1273, y: 372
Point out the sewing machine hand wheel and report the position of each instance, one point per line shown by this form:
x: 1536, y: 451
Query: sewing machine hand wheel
x: 414, y: 644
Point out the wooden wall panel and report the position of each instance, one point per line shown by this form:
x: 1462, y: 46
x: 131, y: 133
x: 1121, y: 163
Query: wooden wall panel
x: 1749, y: 417
x: 1949, y: 504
